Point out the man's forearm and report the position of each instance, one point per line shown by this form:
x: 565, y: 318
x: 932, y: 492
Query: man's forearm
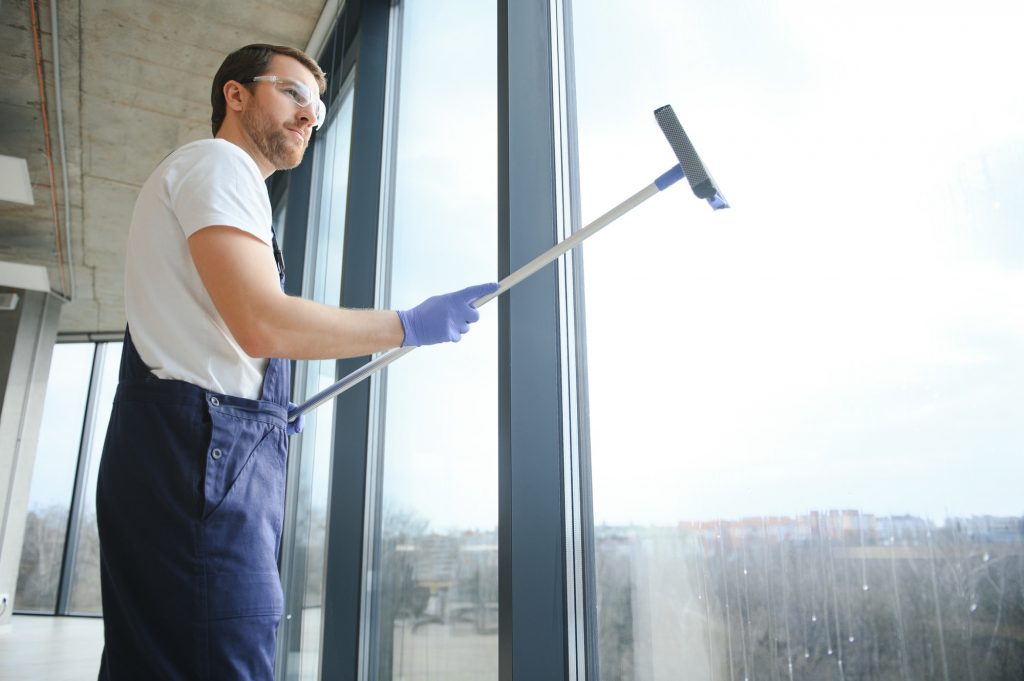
x: 295, y: 328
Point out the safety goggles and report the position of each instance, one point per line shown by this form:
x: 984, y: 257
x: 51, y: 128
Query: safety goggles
x: 300, y: 94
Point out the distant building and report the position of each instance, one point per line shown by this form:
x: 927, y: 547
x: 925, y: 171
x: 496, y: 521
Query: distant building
x: 989, y: 529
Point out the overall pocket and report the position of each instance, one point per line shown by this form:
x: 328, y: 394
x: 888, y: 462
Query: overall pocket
x: 234, y: 444
x: 243, y: 512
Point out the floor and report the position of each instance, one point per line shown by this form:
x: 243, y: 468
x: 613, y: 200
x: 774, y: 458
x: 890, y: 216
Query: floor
x: 43, y: 648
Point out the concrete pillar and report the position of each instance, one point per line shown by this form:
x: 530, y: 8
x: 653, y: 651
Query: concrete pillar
x: 27, y: 336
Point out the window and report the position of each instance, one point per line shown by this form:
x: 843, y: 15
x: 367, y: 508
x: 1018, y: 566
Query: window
x: 59, y: 571
x: 312, y: 451
x: 434, y: 603
x: 53, y: 477
x: 808, y: 465
x: 84, y: 585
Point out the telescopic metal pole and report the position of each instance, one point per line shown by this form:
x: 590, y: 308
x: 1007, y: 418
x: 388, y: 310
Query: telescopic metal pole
x: 701, y: 183
x: 505, y: 284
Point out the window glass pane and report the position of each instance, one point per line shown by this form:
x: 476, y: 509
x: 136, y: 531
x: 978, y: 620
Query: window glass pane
x: 805, y: 410
x: 53, y: 477
x: 436, y: 578
x: 84, y: 598
x: 315, y: 445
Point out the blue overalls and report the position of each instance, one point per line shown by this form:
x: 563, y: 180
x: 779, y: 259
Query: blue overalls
x: 189, y: 504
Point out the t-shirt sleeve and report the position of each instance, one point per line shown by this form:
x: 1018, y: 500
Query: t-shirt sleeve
x: 220, y: 188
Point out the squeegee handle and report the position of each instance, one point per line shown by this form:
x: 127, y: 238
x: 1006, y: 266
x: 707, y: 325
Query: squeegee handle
x: 545, y: 258
x: 570, y: 242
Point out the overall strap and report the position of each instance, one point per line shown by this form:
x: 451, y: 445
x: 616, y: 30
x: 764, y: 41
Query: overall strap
x: 277, y: 381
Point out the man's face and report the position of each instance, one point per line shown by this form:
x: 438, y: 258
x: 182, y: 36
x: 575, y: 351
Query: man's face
x: 277, y: 126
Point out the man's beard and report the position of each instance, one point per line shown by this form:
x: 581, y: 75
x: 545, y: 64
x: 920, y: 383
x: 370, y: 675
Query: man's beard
x: 272, y: 141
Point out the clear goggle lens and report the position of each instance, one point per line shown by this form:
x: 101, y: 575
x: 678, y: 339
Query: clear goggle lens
x: 299, y: 93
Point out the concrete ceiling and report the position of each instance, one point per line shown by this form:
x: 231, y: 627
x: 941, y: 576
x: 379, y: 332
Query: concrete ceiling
x: 135, y: 80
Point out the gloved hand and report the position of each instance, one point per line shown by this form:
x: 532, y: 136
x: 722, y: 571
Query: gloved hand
x: 442, y: 318
x: 295, y: 427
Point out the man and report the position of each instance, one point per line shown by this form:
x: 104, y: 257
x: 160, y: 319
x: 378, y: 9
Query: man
x: 190, y: 497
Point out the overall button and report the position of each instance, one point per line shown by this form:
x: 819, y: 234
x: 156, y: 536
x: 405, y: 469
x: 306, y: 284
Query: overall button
x: 216, y: 454
x: 214, y: 401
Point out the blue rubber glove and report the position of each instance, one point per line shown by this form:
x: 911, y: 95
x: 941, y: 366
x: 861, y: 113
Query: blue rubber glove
x: 442, y: 318
x: 295, y: 427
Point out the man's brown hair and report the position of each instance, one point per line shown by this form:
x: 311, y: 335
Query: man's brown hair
x: 250, y: 61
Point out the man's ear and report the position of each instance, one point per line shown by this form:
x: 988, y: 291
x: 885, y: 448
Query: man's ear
x: 233, y: 95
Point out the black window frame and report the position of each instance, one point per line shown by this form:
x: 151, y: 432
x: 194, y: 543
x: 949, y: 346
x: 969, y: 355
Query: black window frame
x: 545, y: 521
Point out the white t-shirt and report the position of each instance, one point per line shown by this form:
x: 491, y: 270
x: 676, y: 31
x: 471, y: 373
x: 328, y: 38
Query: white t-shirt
x: 175, y: 327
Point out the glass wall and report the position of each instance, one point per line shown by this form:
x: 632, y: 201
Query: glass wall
x: 311, y: 452
x: 806, y: 436
x: 56, y: 578
x: 84, y: 595
x: 53, y: 477
x: 434, y: 605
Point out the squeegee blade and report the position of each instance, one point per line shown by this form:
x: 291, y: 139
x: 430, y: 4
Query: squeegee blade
x: 701, y: 181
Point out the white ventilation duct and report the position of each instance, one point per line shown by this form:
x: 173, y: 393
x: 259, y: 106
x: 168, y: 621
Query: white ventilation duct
x: 15, y: 184
x: 20, y: 275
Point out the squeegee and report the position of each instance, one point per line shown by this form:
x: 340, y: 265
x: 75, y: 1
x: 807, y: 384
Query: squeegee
x: 689, y: 166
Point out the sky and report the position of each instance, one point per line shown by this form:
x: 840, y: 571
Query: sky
x: 847, y: 335
x: 53, y: 473
x: 61, y: 429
